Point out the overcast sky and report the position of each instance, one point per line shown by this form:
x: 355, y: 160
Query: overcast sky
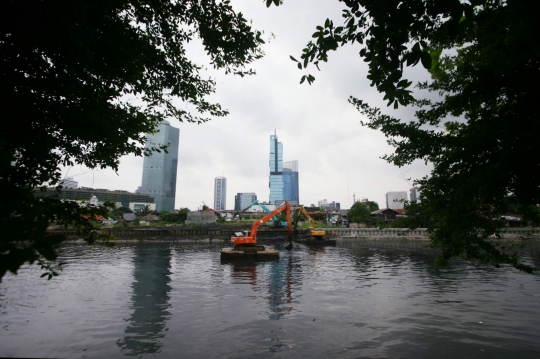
x: 337, y: 157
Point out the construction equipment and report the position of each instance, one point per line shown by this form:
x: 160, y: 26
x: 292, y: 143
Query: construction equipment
x: 317, y: 233
x: 277, y: 222
x: 250, y: 237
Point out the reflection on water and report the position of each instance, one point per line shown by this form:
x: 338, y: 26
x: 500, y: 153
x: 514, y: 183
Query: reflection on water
x: 358, y: 299
x: 280, y: 286
x: 272, y: 277
x: 149, y: 302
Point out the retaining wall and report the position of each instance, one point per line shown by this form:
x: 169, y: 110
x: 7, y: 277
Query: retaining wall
x: 417, y: 233
x: 226, y: 233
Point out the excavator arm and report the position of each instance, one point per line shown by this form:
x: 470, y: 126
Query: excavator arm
x: 248, y: 207
x: 251, y: 238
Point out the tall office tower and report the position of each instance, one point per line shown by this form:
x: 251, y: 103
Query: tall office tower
x: 220, y: 193
x: 276, y: 170
x: 415, y: 194
x: 159, y: 170
x: 393, y: 197
x: 242, y: 200
x: 291, y: 191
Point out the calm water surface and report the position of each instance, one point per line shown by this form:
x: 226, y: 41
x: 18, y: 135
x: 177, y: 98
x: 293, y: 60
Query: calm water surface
x: 178, y: 300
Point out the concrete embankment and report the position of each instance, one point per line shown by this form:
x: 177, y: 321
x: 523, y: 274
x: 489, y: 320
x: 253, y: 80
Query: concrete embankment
x: 172, y: 233
x: 419, y: 233
x: 179, y: 233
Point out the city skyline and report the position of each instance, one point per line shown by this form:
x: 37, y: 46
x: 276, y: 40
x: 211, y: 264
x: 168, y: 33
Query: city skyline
x: 338, y: 156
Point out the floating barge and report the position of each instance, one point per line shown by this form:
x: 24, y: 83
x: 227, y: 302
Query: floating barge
x: 243, y: 251
x: 245, y: 244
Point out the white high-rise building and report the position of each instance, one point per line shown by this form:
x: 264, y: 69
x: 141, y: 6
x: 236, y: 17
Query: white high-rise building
x: 220, y: 193
x: 394, y: 200
x: 415, y: 194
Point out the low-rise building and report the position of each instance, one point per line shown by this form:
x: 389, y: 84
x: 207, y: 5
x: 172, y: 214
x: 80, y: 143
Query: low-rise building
x: 386, y: 214
x: 325, y: 205
x: 98, y: 196
x: 338, y: 218
x: 134, y: 206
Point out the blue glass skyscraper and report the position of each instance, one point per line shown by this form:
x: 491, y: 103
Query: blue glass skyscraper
x: 291, y: 191
x: 276, y: 170
x: 159, y: 169
x: 242, y: 200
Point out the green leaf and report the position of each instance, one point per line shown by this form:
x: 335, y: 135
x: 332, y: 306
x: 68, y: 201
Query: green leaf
x: 47, y: 252
x: 292, y: 58
x: 426, y: 60
x: 303, y: 79
x: 300, y: 66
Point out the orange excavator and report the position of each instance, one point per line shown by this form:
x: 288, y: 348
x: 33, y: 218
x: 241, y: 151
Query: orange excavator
x: 250, y: 240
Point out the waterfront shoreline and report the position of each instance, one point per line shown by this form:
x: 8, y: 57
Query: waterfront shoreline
x: 201, y: 233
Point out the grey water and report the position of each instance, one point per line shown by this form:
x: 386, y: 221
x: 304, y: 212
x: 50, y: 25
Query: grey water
x: 352, y: 300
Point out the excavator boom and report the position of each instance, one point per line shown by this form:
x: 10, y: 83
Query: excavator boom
x: 277, y: 222
x: 315, y: 232
x: 251, y: 238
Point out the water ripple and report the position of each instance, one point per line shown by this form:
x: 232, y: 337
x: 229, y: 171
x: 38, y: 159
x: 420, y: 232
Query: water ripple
x: 355, y: 299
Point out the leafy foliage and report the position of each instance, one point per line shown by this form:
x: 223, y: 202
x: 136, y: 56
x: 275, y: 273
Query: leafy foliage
x: 373, y: 206
x: 84, y: 81
x: 480, y: 134
x: 144, y: 211
x: 359, y: 213
x: 120, y: 211
x: 179, y: 216
x: 221, y: 220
